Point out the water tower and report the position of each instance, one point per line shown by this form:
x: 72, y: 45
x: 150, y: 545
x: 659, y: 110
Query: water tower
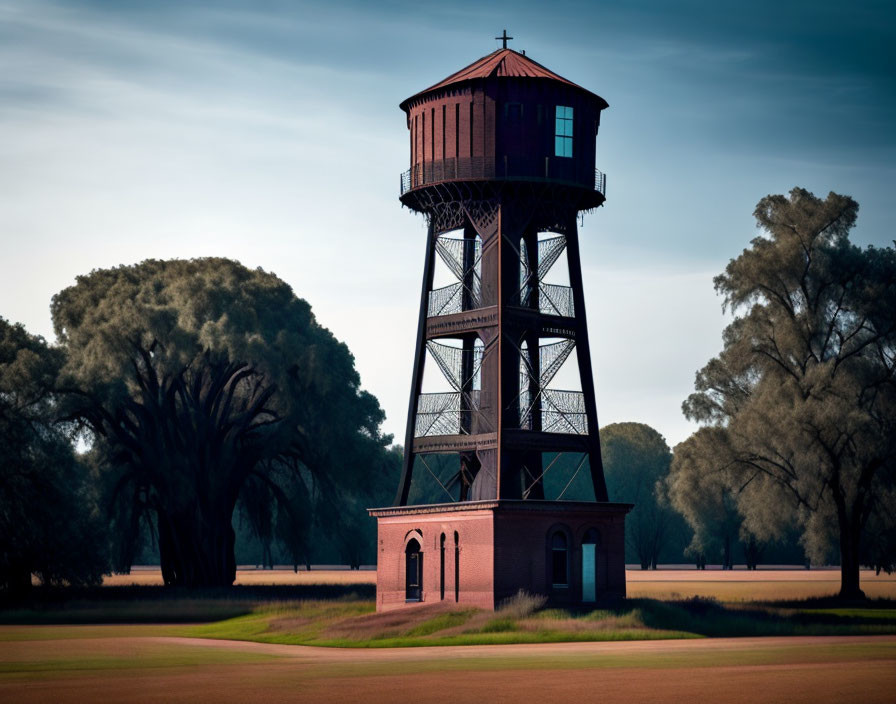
x: 502, y: 486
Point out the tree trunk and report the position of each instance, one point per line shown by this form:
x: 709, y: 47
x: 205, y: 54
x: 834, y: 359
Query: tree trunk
x: 18, y: 582
x: 849, y: 564
x: 195, y: 558
x: 850, y: 534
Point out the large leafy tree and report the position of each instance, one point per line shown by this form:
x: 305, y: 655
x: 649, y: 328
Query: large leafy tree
x: 636, y: 461
x: 201, y: 379
x: 804, y: 390
x: 48, y: 521
x: 707, y: 487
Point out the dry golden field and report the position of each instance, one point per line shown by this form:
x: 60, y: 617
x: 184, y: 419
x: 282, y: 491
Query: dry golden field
x: 759, y: 585
x: 736, y: 585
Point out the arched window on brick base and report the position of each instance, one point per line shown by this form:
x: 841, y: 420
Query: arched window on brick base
x: 559, y: 560
x: 414, y: 571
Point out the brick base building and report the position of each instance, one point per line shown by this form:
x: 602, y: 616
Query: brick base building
x: 479, y: 553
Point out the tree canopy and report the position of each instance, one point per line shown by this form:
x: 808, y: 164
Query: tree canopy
x: 803, y: 393
x: 706, y: 486
x: 48, y: 521
x: 636, y: 461
x: 201, y: 380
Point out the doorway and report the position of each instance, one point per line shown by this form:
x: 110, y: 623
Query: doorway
x: 589, y: 565
x: 414, y: 571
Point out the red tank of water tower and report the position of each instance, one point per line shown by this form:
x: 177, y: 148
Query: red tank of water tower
x: 497, y: 118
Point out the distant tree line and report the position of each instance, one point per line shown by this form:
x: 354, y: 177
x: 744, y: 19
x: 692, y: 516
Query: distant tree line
x: 216, y: 421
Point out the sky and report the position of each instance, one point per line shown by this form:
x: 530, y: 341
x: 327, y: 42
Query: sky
x: 270, y: 133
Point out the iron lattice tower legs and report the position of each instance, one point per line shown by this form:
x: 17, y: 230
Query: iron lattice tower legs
x: 487, y: 334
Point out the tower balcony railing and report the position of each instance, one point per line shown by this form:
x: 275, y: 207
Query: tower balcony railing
x: 478, y: 167
x: 563, y: 412
x: 552, y: 300
x: 556, y: 300
x: 446, y: 300
x: 451, y: 413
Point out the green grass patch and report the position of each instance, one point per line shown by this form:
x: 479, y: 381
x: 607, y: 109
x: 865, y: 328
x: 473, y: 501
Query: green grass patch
x: 185, y: 610
x: 348, y: 621
x: 499, y: 625
x: 179, y: 656
x: 451, y: 619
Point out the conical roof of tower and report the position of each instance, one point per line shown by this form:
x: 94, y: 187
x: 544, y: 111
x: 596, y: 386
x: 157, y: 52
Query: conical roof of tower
x: 501, y: 63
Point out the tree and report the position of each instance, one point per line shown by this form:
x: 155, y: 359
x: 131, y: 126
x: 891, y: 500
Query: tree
x: 636, y: 461
x: 704, y: 487
x: 48, y: 520
x: 356, y: 533
x: 201, y: 379
x: 803, y: 389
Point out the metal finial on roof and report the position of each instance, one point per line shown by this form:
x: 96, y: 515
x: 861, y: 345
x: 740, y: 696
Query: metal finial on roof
x: 504, y: 38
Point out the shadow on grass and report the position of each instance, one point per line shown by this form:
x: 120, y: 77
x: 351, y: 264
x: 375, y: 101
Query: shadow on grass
x: 707, y: 617
x: 316, y: 613
x: 157, y: 604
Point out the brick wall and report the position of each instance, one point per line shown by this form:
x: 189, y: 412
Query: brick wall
x: 501, y: 547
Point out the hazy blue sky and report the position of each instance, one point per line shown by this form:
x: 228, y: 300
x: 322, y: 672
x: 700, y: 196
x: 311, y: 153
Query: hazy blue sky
x: 270, y: 133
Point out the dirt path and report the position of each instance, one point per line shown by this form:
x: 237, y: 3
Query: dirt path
x: 164, y: 669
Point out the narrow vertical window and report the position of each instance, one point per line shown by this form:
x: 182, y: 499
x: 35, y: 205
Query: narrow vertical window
x: 444, y: 108
x: 559, y: 560
x: 563, y: 131
x: 432, y: 135
x: 456, y: 567
x: 442, y: 567
x: 456, y: 130
x: 471, y: 128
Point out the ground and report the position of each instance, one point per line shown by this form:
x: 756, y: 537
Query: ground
x: 134, y: 669
x: 154, y: 662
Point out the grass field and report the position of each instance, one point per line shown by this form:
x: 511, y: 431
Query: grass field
x: 335, y: 608
x: 134, y: 642
x: 669, y: 640
x: 137, y: 667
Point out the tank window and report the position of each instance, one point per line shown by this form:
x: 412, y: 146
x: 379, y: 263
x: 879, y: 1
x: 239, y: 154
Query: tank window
x: 563, y: 131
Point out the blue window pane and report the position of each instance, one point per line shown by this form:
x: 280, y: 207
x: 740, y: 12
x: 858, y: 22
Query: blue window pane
x: 562, y: 146
x: 563, y: 131
x: 589, y: 581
